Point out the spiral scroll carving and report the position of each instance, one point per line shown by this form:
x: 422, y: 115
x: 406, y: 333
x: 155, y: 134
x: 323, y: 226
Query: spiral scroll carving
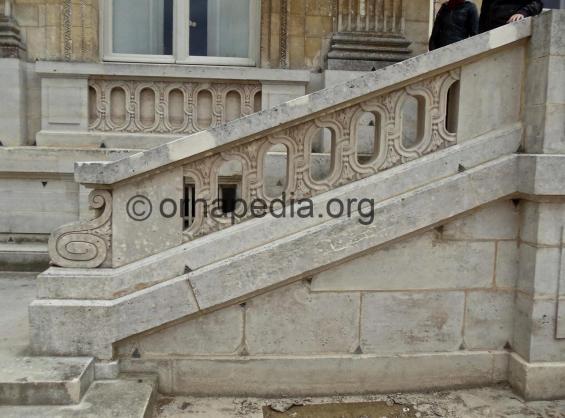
x: 85, y: 244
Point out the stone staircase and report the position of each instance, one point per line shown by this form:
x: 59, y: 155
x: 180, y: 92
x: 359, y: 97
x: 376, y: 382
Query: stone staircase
x: 59, y: 386
x: 121, y: 280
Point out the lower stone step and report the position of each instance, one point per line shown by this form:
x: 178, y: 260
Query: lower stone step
x: 124, y: 398
x: 44, y: 380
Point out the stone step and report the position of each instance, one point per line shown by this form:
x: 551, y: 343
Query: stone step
x: 129, y: 397
x: 44, y: 380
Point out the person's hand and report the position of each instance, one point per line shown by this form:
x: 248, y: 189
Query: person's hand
x: 516, y: 17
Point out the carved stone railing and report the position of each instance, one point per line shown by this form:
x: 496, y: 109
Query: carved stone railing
x: 168, y: 107
x: 345, y: 165
x: 369, y: 35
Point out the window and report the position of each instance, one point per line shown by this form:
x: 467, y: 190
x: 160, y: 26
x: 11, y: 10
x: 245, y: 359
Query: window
x: 219, y: 32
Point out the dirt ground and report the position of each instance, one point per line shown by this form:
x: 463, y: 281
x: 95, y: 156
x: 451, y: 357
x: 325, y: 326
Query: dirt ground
x: 497, y: 401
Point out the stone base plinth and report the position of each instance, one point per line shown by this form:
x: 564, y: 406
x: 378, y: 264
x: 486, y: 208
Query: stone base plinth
x: 360, y: 51
x: 537, y: 381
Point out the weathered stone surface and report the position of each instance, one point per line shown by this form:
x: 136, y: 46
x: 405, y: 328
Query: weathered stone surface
x: 494, y: 222
x: 324, y: 375
x: 489, y: 317
x: 409, y: 322
x: 292, y: 320
x: 216, y: 333
x: 423, y: 262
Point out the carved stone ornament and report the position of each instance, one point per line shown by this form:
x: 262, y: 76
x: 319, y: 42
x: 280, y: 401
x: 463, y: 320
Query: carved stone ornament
x: 85, y: 244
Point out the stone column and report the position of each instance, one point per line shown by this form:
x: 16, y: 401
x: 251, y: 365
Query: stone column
x: 369, y: 35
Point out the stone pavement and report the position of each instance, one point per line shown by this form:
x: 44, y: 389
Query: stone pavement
x: 496, y: 401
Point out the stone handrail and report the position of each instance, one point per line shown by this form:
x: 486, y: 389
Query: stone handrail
x: 294, y: 125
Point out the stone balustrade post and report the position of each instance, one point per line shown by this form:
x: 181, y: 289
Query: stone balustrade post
x: 369, y: 35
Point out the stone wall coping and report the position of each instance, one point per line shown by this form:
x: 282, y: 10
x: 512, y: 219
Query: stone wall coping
x: 115, y: 69
x: 52, y: 160
x: 292, y: 112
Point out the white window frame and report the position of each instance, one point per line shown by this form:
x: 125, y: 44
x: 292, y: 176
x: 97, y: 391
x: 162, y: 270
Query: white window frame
x: 180, y: 39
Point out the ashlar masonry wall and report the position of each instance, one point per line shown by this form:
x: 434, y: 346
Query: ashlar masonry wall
x: 448, y: 290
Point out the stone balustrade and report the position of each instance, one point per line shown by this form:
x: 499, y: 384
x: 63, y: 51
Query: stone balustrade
x: 394, y: 143
x: 382, y: 16
x: 172, y: 107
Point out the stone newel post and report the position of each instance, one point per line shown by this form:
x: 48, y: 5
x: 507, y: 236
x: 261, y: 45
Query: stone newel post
x: 369, y: 34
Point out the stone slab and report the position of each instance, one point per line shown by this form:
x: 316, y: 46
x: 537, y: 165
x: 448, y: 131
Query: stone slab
x: 132, y: 398
x: 44, y: 160
x: 63, y: 69
x: 44, y: 380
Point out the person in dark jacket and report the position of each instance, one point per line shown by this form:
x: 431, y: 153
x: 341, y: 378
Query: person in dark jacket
x: 495, y: 13
x: 455, y: 21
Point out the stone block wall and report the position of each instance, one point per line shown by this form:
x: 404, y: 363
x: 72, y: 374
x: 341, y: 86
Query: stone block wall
x: 296, y: 33
x: 418, y: 24
x: 445, y: 290
x: 59, y: 29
